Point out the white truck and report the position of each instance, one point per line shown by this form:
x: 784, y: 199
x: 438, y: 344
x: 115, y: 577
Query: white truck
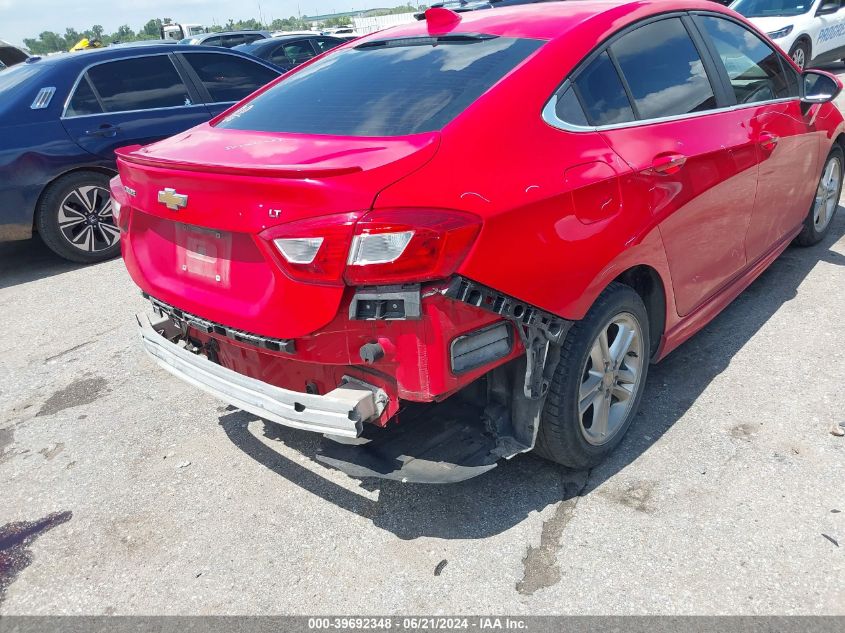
x: 178, y: 32
x: 810, y: 31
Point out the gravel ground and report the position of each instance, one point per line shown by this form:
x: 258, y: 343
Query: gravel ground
x: 125, y: 491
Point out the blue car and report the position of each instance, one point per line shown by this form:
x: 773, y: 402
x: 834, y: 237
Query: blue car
x: 62, y: 117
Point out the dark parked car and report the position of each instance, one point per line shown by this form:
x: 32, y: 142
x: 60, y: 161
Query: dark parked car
x: 287, y: 51
x: 10, y: 55
x: 227, y: 39
x: 62, y: 117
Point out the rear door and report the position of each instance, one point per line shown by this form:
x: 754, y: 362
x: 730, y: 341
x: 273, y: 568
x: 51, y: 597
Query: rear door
x: 138, y: 100
x: 693, y: 159
x: 765, y: 89
x: 225, y: 78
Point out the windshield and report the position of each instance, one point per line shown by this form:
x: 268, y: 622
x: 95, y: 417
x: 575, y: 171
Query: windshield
x: 771, y: 8
x: 16, y: 75
x: 384, y: 88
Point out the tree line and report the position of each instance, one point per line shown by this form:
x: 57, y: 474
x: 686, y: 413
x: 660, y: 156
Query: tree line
x: 50, y: 42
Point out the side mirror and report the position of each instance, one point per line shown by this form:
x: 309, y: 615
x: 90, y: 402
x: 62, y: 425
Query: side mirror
x: 819, y: 87
x: 828, y: 6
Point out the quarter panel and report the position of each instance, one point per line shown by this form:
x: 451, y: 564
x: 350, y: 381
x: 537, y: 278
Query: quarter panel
x: 30, y: 157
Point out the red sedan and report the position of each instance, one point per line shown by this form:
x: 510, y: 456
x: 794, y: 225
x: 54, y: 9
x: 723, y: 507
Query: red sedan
x: 516, y: 209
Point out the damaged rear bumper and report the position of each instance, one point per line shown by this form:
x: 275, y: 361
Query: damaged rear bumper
x: 341, y: 412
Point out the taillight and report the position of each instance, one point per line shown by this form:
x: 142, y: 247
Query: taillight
x: 314, y: 250
x: 409, y: 245
x: 385, y: 246
x: 119, y: 203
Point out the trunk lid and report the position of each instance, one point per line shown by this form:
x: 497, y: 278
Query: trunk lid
x: 203, y: 197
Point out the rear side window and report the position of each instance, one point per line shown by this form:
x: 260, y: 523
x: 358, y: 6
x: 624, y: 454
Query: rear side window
x: 386, y: 88
x: 664, y: 70
x: 139, y: 84
x: 227, y: 77
x: 602, y: 94
x: 754, y: 68
x: 84, y: 101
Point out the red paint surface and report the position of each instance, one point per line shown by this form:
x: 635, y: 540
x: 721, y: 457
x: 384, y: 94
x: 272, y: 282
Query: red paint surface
x: 706, y: 202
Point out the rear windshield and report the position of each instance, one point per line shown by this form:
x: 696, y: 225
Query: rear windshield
x: 387, y: 88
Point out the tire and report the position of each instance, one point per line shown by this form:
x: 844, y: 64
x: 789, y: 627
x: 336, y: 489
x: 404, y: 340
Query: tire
x: 565, y: 435
x: 74, y: 218
x: 800, y: 51
x: 825, y: 202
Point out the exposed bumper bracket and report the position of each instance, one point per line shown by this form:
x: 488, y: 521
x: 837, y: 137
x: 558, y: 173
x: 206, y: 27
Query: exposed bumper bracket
x: 341, y: 412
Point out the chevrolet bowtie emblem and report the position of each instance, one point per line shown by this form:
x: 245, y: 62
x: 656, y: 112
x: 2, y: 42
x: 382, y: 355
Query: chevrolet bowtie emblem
x: 172, y: 200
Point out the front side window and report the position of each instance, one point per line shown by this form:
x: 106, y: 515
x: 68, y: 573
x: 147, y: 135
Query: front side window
x: 754, y: 68
x: 601, y: 93
x: 228, y: 77
x: 142, y: 83
x: 385, y: 87
x: 664, y: 70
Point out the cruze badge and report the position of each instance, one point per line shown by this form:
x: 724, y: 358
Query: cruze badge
x: 172, y: 200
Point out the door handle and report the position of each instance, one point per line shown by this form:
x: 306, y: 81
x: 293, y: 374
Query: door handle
x: 768, y: 141
x: 106, y: 130
x: 668, y: 164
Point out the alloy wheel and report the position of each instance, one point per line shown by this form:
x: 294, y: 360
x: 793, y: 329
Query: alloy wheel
x: 86, y: 219
x: 798, y: 56
x: 827, y: 194
x: 610, y: 379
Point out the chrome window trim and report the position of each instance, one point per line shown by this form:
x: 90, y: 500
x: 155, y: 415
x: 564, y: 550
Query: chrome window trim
x: 111, y: 61
x: 549, y: 112
x: 85, y: 116
x: 550, y: 116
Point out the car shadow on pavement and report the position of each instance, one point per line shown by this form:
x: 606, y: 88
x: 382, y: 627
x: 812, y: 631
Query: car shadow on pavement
x: 30, y: 260
x: 503, y: 497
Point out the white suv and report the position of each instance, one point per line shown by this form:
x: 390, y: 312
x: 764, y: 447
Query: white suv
x: 811, y: 31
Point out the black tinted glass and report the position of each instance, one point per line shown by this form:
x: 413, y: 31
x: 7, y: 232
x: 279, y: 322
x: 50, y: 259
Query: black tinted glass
x: 754, y: 69
x: 384, y: 90
x: 664, y: 70
x: 139, y: 84
x: 293, y: 54
x: 83, y: 100
x: 568, y: 109
x: 229, y: 78
x: 602, y: 94
x: 323, y: 44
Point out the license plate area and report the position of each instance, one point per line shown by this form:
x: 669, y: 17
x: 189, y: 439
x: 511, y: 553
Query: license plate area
x: 204, y: 254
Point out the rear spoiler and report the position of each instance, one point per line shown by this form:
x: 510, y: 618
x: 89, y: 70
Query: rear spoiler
x: 129, y: 154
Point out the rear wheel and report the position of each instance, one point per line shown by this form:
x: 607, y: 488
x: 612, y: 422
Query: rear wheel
x: 596, y: 389
x: 75, y: 218
x: 825, y: 202
x: 800, y: 53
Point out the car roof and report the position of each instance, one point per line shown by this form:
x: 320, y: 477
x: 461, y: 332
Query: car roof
x: 121, y: 51
x: 548, y: 20
x: 203, y: 36
x: 273, y: 41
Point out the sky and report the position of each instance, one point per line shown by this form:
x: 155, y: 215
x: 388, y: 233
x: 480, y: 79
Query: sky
x: 28, y: 18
